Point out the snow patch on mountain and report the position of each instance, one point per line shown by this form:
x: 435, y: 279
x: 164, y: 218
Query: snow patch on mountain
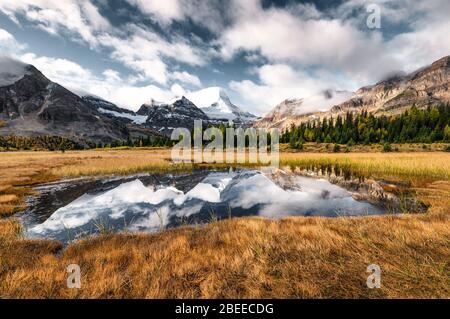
x: 137, y: 119
x: 216, y: 104
x: 109, y: 108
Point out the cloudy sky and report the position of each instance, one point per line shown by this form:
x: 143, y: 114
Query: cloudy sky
x: 261, y: 52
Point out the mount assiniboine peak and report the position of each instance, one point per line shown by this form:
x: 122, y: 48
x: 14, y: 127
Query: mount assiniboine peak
x: 217, y: 105
x: 211, y: 105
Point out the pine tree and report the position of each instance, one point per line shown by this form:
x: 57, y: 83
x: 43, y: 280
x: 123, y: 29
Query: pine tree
x: 413, y: 126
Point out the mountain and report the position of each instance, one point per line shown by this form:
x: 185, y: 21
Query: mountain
x: 32, y: 105
x: 216, y: 104
x: 392, y: 96
x: 111, y: 110
x: 164, y: 117
x: 290, y: 109
x: 429, y: 85
x: 134, y: 122
x: 210, y: 105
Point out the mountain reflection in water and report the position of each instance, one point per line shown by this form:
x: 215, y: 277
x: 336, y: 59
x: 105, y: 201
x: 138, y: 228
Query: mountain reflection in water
x: 149, y: 203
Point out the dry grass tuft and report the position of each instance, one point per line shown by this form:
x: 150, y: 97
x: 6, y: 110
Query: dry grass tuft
x: 8, y: 198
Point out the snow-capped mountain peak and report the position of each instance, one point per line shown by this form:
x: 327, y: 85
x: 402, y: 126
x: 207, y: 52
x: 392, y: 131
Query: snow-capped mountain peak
x: 215, y: 102
x: 213, y: 95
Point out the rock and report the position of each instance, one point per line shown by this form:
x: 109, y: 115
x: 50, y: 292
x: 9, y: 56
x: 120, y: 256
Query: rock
x: 34, y: 105
x: 163, y: 118
x: 392, y: 96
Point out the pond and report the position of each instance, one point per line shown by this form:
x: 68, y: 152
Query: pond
x: 150, y: 202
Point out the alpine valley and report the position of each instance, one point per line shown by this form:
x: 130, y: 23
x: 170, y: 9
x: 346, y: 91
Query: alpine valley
x: 32, y: 105
x: 212, y: 153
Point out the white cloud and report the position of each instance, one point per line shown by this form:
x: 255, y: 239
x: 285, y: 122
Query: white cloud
x: 96, y: 20
x: 177, y: 90
x: 132, y: 97
x: 78, y: 17
x: 162, y: 11
x: 62, y: 69
x: 209, y: 14
x: 109, y: 86
x: 144, y: 50
x: 8, y: 43
x: 303, y: 49
x: 412, y: 12
x: 336, y: 44
x: 253, y: 57
x: 279, y: 74
x: 279, y: 82
x: 111, y: 75
x: 420, y: 47
x: 425, y: 40
x: 10, y: 70
x: 281, y: 36
x: 137, y: 47
x: 187, y: 78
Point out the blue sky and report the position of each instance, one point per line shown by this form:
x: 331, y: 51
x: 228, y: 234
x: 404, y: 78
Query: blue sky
x: 261, y: 52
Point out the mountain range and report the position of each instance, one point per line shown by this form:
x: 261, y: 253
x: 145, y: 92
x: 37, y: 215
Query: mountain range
x: 392, y: 96
x: 212, y: 106
x: 32, y: 105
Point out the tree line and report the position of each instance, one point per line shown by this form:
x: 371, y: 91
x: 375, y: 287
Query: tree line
x: 415, y: 125
x: 58, y: 143
x: 158, y: 141
x: 42, y: 142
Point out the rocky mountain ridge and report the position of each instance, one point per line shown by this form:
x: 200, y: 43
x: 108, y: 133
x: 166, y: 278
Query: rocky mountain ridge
x: 165, y: 117
x: 33, y: 105
x: 427, y: 86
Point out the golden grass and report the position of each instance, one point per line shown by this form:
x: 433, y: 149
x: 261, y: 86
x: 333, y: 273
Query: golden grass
x: 8, y: 198
x: 245, y: 257
x: 118, y: 162
x: 76, y: 163
x: 28, y: 167
x: 425, y: 165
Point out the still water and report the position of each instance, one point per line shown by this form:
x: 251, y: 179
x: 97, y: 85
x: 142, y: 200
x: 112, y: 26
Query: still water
x: 148, y: 203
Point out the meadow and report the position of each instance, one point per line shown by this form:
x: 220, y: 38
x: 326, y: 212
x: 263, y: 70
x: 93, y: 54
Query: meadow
x: 296, y: 257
